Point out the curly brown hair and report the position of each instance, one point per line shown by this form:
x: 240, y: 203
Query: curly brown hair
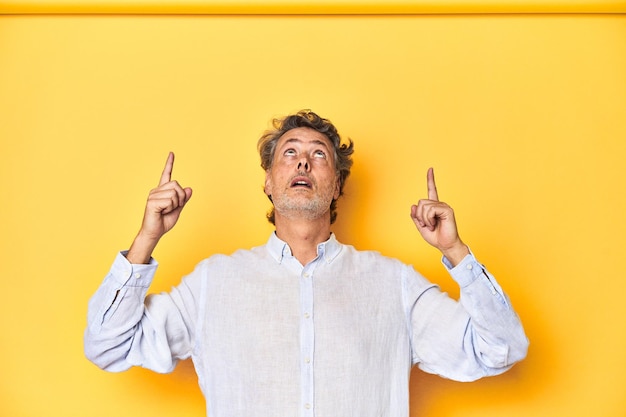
x: 306, y: 118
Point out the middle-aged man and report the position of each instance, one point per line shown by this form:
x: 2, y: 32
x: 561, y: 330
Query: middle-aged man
x: 303, y: 325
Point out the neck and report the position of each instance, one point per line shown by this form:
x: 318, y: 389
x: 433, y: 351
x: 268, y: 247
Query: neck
x: 303, y: 235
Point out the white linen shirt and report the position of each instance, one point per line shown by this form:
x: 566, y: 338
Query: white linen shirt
x: 336, y: 337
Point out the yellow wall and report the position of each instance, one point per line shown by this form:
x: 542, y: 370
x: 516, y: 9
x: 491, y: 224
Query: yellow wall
x: 522, y: 116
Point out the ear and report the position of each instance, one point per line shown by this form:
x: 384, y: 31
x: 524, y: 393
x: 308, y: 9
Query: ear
x: 267, y: 188
x: 337, y: 189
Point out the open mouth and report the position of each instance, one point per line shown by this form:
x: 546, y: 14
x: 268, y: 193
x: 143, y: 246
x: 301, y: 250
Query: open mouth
x: 301, y: 182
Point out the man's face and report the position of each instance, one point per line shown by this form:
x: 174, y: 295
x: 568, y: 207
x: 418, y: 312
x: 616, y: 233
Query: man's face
x: 302, y: 180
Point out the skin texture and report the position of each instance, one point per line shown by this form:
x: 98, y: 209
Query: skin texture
x: 435, y: 221
x: 302, y: 179
x: 162, y: 211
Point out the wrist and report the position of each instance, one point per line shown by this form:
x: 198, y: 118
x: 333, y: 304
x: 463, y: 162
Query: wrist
x: 456, y: 253
x: 140, y: 251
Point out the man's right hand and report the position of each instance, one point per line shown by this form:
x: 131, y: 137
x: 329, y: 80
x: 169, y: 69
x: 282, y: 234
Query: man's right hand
x: 162, y: 212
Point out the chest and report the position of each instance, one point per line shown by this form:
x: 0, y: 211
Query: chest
x: 344, y: 308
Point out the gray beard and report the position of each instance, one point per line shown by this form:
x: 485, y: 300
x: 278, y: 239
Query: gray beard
x: 293, y: 208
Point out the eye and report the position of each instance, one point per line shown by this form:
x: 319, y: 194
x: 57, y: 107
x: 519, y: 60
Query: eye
x: 290, y: 152
x: 319, y: 154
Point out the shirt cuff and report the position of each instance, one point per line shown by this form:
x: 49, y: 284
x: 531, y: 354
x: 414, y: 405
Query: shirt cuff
x: 466, y: 272
x: 133, y: 275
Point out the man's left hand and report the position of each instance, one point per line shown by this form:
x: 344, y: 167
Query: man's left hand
x: 435, y: 221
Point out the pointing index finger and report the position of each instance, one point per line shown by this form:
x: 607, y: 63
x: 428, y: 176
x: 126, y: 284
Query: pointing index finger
x: 432, y: 188
x: 166, y: 176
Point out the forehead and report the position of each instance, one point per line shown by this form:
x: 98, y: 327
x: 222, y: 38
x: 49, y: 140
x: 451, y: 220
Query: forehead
x: 304, y: 135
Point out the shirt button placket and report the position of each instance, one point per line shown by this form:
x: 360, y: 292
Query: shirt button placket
x: 307, y: 342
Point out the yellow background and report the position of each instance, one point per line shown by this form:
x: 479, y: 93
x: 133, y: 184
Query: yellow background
x: 522, y: 116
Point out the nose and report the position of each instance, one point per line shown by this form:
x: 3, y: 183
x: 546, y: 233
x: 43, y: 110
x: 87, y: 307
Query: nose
x: 303, y: 164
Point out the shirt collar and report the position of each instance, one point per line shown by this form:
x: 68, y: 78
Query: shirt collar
x: 327, y: 250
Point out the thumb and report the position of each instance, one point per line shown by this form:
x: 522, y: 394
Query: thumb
x: 188, y: 193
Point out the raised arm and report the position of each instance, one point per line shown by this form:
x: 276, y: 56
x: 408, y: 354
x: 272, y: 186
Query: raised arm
x: 481, y: 334
x: 163, y: 209
x: 122, y: 330
x: 435, y: 221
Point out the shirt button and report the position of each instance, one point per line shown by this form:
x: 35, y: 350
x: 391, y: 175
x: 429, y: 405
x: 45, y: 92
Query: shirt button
x: 307, y: 406
x: 306, y: 274
x: 137, y: 275
x: 307, y: 360
x: 307, y: 315
x: 469, y: 266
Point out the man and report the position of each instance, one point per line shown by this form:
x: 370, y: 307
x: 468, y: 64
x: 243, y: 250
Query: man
x: 304, y: 325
